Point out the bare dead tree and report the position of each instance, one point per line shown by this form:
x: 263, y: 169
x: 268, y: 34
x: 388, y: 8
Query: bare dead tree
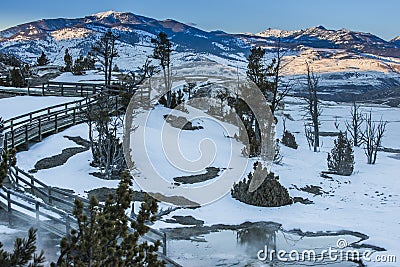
x: 313, y: 109
x: 372, y: 137
x: 188, y: 88
x: 104, y: 121
x: 279, y: 90
x: 222, y: 95
x: 162, y: 52
x: 354, y: 127
x: 309, y: 135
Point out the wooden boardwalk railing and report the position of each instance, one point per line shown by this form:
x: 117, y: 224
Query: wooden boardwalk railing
x: 62, y: 89
x: 62, y: 199
x: 54, y: 214
x: 69, y: 89
x: 24, y: 128
x: 46, y: 216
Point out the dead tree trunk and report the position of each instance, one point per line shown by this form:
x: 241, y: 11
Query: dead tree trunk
x: 314, y: 110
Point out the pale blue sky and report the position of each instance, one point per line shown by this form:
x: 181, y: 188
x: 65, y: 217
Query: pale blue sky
x: 378, y: 17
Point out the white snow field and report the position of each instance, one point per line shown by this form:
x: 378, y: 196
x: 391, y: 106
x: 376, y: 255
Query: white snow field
x: 159, y: 158
x: 367, y: 201
x: 75, y: 173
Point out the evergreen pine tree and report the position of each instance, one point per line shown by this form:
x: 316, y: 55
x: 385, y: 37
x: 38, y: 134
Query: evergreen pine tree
x: 289, y: 140
x: 103, y: 237
x: 116, y: 68
x: 16, y: 78
x: 162, y: 51
x: 78, y: 67
x: 267, y: 193
x: 341, y: 158
x: 89, y: 62
x: 42, y: 60
x: 67, y: 61
x: 8, y: 158
x: 24, y: 253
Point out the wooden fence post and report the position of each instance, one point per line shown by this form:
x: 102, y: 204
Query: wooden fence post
x: 16, y: 176
x: 6, y: 141
x: 74, y: 117
x: 37, y: 207
x: 42, y: 89
x: 62, y: 89
x: 49, y: 194
x: 12, y: 139
x: 32, y: 186
x: 9, y: 208
x: 40, y: 129
x: 165, y: 244
x: 26, y: 136
x: 55, y: 124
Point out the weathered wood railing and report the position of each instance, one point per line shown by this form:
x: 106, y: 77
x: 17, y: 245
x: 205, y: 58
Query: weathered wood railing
x: 46, y: 217
x: 24, y: 128
x: 58, y: 200
x: 65, y: 89
x: 59, y: 204
x: 69, y: 89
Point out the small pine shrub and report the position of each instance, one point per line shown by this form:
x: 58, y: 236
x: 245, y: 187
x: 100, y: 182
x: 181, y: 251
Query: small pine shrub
x: 341, y: 158
x: 289, y: 140
x: 269, y: 194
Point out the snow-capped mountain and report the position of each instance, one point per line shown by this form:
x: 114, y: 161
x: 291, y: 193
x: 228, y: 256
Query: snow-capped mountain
x: 53, y: 35
x: 319, y: 37
x: 334, y: 54
x: 28, y: 40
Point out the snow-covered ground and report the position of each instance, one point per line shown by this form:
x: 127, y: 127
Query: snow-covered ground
x: 75, y: 173
x: 18, y: 105
x: 366, y: 202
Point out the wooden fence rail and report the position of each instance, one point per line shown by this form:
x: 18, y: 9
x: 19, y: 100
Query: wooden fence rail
x: 70, y: 89
x: 22, y: 129
x: 46, y: 217
x: 62, y: 199
x: 54, y: 214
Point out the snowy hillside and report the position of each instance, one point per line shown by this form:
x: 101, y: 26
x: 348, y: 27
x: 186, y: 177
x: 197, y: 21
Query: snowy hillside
x: 330, y: 51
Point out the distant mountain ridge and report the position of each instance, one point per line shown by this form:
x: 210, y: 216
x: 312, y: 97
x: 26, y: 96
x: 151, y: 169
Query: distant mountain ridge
x: 345, y: 60
x: 43, y: 35
x: 320, y: 37
x: 53, y: 36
